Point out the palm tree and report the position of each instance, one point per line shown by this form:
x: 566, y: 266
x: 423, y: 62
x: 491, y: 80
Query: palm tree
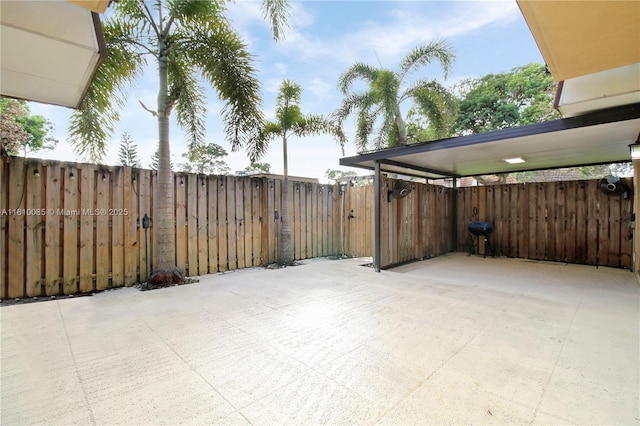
x: 387, y: 91
x: 291, y: 122
x: 189, y: 40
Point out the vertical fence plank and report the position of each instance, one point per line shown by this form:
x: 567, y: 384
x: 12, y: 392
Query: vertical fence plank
x: 514, y: 210
x: 560, y: 226
x: 581, y: 223
x: 223, y: 225
x: 192, y: 223
x: 87, y: 248
x: 312, y: 203
x: 71, y: 220
x: 333, y: 194
x: 613, y: 220
x: 34, y: 235
x: 570, y: 230
x: 116, y: 217
x: 308, y: 220
x: 103, y: 255
x: 203, y: 227
x: 212, y: 193
x: 325, y: 220
x: 4, y: 190
x: 302, y: 206
x: 180, y: 183
x: 248, y: 221
x: 130, y: 213
x: 232, y: 222
x: 268, y: 228
x: 16, y: 244
x: 523, y: 228
x: 277, y: 200
x: 153, y: 231
x: 593, y: 225
x: 296, y: 229
x: 240, y: 222
x: 143, y: 183
x: 52, y: 231
x: 257, y: 187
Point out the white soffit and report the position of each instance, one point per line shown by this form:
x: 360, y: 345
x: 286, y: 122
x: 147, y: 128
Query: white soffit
x: 605, y: 89
x: 49, y: 51
x: 586, y: 36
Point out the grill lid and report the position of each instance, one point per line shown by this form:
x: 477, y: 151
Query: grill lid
x: 480, y: 227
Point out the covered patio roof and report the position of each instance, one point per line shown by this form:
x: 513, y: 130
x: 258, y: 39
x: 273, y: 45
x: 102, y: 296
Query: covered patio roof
x: 596, y: 138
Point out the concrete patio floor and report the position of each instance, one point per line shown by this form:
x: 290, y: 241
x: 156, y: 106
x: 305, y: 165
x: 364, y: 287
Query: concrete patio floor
x: 455, y: 339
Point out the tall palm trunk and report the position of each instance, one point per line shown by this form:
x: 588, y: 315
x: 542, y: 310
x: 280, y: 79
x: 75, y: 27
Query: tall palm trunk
x: 163, y: 194
x: 286, y: 249
x: 401, y: 128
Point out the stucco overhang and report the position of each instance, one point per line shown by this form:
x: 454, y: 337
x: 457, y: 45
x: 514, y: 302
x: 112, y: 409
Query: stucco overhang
x: 578, y: 38
x: 49, y: 50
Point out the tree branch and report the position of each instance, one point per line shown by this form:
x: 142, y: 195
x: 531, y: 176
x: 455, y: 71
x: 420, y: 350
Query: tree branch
x: 155, y: 114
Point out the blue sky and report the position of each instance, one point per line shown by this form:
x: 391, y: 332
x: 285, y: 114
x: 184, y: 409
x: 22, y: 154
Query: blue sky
x: 323, y: 39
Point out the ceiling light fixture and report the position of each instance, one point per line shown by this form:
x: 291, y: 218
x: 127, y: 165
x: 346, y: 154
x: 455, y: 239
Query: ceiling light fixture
x: 516, y: 160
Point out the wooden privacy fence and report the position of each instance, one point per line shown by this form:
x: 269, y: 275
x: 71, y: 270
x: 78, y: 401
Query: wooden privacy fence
x: 68, y: 228
x: 417, y: 226
x: 571, y: 221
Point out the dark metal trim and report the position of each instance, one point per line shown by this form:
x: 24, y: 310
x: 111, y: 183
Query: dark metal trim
x: 418, y: 168
x: 556, y: 99
x: 454, y: 215
x: 102, y: 51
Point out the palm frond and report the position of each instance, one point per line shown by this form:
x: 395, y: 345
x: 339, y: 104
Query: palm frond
x: 195, y: 9
x: 315, y: 124
x: 277, y: 13
x: 357, y: 71
x: 93, y: 123
x: 186, y: 92
x: 422, y: 55
x: 354, y: 102
x: 225, y: 62
x: 437, y: 104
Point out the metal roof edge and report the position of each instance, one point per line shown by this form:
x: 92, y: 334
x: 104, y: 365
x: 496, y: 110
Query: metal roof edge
x: 609, y: 115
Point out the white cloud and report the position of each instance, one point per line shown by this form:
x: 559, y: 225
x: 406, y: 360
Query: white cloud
x: 407, y: 26
x: 320, y: 88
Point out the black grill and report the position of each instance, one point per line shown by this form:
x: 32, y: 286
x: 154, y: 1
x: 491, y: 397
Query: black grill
x: 480, y: 229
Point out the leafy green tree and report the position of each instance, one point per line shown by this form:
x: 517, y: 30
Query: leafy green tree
x: 258, y: 168
x: 379, y: 105
x: 207, y: 159
x: 22, y: 132
x: 188, y: 40
x: 335, y: 175
x: 128, y: 152
x: 291, y: 122
x: 497, y: 101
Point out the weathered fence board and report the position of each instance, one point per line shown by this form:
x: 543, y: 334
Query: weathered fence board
x: 102, y: 231
x: 15, y: 245
x: 70, y: 232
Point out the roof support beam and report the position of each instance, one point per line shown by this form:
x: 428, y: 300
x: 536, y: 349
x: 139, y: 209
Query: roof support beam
x: 377, y: 240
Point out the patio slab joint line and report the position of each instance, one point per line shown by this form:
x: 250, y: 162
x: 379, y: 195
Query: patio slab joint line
x: 75, y: 365
x: 564, y: 342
